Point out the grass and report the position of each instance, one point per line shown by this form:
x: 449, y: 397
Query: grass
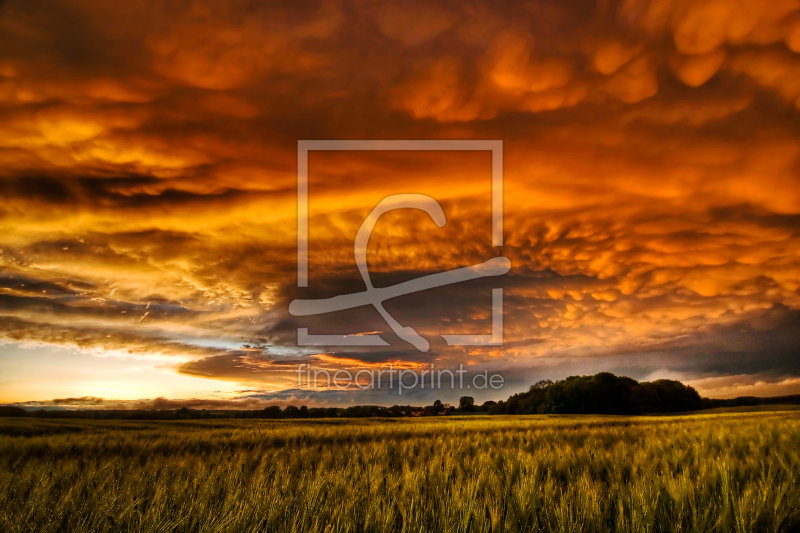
x: 722, y: 472
x: 749, y: 409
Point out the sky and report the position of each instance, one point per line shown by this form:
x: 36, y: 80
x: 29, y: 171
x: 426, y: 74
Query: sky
x: 148, y: 194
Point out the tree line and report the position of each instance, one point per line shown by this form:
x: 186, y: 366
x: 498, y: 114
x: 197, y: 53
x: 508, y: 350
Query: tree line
x: 602, y: 393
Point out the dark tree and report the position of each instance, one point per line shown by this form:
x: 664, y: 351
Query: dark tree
x: 602, y: 393
x: 273, y: 411
x: 12, y: 410
x: 667, y: 396
x: 488, y: 406
x: 466, y: 404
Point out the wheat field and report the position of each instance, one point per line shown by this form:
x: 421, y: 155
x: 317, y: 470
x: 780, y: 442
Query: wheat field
x: 721, y: 472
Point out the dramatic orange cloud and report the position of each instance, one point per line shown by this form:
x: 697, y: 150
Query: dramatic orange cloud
x: 652, y: 188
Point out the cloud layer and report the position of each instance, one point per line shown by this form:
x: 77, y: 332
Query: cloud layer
x: 651, y: 173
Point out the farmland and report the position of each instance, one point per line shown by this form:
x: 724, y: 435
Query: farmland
x: 703, y: 472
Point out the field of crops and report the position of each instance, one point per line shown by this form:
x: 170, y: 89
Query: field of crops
x: 722, y: 472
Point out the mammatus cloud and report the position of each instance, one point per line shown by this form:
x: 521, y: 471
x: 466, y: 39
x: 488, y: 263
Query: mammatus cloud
x: 651, y: 178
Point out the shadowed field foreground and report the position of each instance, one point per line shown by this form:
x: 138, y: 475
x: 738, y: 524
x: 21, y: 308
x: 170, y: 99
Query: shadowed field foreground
x: 725, y: 472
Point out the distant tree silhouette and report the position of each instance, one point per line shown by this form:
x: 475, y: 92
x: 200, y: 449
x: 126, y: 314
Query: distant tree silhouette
x: 12, y: 410
x: 667, y: 396
x: 273, y: 411
x: 466, y: 404
x: 602, y: 393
